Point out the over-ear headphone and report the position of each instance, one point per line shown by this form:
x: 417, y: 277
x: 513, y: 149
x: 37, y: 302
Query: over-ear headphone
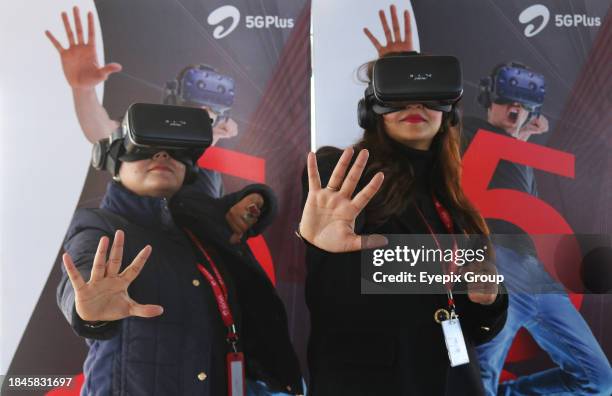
x: 106, y: 152
x: 484, y: 92
x: 170, y: 93
x: 365, y: 116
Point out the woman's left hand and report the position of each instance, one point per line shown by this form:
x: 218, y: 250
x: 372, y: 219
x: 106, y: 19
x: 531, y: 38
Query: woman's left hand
x: 483, y: 293
x: 244, y: 215
x: 395, y: 43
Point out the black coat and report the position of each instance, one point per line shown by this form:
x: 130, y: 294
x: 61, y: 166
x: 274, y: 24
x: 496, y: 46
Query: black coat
x: 167, y: 355
x: 385, y: 344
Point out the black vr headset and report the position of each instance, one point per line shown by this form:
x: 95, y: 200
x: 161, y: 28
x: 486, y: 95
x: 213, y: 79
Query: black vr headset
x: 201, y: 85
x: 399, y: 80
x: 183, y: 132
x: 513, y: 83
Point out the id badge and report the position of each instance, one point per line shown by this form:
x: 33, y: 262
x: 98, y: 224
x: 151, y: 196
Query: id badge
x: 455, y: 343
x: 236, y: 385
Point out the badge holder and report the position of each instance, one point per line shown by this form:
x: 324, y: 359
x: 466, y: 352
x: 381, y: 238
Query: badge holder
x: 453, y: 335
x: 235, y: 366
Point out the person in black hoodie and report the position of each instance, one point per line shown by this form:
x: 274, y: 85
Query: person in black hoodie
x: 388, y: 344
x: 157, y: 328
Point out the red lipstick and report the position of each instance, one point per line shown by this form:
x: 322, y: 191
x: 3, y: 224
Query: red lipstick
x: 413, y: 119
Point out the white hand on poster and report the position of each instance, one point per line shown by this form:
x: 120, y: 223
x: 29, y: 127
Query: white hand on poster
x: 338, y: 37
x: 41, y: 145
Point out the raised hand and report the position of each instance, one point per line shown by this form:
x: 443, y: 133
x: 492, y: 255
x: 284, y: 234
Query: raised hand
x: 104, y: 297
x: 395, y: 43
x: 328, y: 219
x: 536, y: 126
x: 244, y: 215
x: 79, y: 60
x: 224, y: 130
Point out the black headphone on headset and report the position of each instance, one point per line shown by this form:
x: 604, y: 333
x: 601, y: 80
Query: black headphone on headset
x: 106, y: 152
x: 365, y: 115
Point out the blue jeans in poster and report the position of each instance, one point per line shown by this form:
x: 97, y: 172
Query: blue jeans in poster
x: 557, y: 327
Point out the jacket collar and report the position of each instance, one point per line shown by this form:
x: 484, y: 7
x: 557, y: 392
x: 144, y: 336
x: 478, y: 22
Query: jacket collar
x: 142, y: 210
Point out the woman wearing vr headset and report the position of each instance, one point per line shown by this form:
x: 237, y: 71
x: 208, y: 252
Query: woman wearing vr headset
x: 402, y: 177
x: 170, y: 299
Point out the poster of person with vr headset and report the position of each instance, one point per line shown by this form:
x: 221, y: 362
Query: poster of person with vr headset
x: 513, y: 97
x: 195, y: 86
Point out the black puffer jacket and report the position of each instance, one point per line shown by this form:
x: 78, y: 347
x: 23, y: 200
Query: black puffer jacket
x: 181, y: 352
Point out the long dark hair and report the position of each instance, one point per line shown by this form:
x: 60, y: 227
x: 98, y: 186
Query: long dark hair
x: 445, y: 175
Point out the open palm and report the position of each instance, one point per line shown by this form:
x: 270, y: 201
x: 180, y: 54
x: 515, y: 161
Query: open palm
x: 328, y: 220
x: 395, y: 42
x: 104, y: 297
x: 79, y: 60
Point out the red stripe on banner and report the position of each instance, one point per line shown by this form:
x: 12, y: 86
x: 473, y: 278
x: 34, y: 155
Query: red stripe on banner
x: 73, y: 390
x: 260, y: 250
x: 234, y: 163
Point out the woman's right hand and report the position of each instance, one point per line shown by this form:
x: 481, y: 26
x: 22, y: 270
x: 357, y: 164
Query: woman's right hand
x: 104, y: 297
x: 79, y: 60
x: 328, y: 219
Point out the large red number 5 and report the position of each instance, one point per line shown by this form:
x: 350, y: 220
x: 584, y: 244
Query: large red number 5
x: 525, y: 211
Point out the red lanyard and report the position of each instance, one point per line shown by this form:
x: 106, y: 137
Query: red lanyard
x: 220, y: 291
x: 447, y: 221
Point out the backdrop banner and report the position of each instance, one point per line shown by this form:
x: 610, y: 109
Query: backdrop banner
x: 265, y: 49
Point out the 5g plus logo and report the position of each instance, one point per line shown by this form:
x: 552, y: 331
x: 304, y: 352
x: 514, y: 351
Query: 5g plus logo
x: 538, y: 13
x: 221, y: 14
x: 530, y: 14
x: 219, y: 17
